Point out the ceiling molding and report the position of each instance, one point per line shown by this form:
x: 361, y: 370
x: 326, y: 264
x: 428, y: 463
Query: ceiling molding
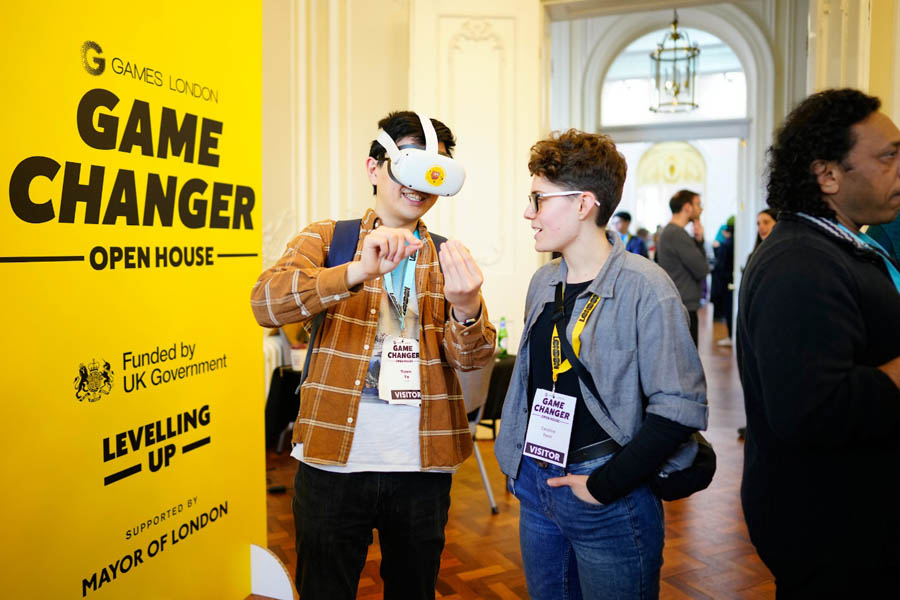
x: 566, y: 10
x: 687, y: 130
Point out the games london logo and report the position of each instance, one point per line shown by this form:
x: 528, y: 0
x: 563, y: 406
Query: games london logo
x: 91, y: 60
x: 93, y: 381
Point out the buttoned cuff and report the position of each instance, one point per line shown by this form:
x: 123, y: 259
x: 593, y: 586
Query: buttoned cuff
x: 331, y: 285
x: 468, y: 326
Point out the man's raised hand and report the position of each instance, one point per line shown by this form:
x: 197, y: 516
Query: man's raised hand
x: 462, y: 280
x: 383, y: 249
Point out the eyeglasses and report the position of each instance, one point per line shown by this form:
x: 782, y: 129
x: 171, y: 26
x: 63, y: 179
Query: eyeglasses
x: 534, y: 198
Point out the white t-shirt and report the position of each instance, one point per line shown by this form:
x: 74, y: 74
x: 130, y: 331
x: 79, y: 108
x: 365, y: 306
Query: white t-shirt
x: 386, y: 437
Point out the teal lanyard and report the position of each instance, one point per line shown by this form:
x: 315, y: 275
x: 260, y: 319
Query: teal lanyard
x: 405, y: 272
x: 871, y: 243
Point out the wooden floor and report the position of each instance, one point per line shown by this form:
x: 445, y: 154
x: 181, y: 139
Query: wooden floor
x: 707, y: 552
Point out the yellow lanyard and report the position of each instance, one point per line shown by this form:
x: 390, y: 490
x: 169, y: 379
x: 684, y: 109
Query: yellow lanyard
x: 557, y: 363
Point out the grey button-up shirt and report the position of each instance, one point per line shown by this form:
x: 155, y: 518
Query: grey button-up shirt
x: 637, y: 339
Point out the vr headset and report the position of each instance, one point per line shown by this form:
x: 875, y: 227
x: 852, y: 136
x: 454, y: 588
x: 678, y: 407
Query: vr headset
x: 425, y: 170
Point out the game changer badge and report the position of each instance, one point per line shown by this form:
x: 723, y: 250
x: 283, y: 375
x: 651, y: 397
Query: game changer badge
x: 550, y: 427
x: 398, y: 382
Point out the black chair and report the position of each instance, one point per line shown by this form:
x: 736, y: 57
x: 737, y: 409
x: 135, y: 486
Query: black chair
x: 496, y: 394
x: 474, y: 386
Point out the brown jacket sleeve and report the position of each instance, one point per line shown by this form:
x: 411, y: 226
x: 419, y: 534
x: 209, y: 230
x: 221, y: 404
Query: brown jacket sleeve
x: 472, y: 347
x: 298, y: 287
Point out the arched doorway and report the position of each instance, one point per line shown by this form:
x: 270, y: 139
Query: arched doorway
x: 710, y: 135
x: 607, y: 37
x: 663, y: 169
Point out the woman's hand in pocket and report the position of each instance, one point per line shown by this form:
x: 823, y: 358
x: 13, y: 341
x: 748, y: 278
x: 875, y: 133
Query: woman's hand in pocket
x: 578, y: 483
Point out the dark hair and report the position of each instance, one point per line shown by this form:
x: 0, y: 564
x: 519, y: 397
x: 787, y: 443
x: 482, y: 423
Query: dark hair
x: 624, y: 215
x: 405, y: 123
x: 582, y: 161
x: 774, y: 216
x: 769, y: 212
x: 819, y: 128
x: 681, y: 198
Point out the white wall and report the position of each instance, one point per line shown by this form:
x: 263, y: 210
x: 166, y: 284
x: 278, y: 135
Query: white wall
x: 632, y: 153
x: 278, y: 200
x: 720, y: 199
x: 333, y: 68
x: 479, y: 65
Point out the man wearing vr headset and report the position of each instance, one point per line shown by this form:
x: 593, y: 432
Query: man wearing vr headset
x: 382, y: 423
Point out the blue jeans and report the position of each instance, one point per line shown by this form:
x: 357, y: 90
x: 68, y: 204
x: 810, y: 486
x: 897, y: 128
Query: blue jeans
x: 573, y: 550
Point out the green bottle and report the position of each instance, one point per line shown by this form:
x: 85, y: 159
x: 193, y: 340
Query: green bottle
x: 502, y: 336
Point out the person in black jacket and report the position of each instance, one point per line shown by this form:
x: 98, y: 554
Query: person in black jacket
x: 765, y: 221
x: 818, y: 348
x: 721, y: 292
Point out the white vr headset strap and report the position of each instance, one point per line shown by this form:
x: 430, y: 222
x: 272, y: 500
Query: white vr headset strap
x: 388, y: 143
x: 431, y: 141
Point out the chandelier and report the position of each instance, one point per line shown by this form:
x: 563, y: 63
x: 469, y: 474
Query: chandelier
x: 674, y: 64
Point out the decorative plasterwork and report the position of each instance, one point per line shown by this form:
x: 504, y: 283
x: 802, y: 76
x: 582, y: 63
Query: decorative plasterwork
x: 477, y: 30
x: 670, y: 163
x: 482, y: 46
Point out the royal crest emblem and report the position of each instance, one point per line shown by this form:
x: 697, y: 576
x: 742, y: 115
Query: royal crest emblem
x: 92, y: 381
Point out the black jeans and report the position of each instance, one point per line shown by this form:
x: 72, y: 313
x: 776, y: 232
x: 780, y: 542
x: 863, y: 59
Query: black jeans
x: 335, y: 513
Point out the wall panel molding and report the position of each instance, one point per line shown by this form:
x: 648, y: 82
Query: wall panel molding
x: 839, y: 52
x: 477, y: 66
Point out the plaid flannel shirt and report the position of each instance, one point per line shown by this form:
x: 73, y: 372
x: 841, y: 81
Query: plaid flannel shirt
x: 298, y: 287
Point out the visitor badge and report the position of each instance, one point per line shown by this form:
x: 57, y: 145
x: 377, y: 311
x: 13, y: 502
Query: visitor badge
x: 550, y: 427
x: 398, y: 381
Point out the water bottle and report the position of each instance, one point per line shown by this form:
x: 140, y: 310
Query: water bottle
x: 502, y: 338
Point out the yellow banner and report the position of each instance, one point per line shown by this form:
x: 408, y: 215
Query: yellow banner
x: 133, y: 463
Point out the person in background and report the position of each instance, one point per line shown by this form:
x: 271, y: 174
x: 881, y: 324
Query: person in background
x: 818, y: 352
x: 888, y: 235
x: 721, y: 292
x: 621, y: 222
x: 589, y: 526
x: 720, y: 234
x: 765, y: 221
x: 654, y: 241
x: 644, y: 234
x: 683, y: 257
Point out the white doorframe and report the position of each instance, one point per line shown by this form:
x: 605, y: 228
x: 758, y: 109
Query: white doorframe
x: 749, y: 43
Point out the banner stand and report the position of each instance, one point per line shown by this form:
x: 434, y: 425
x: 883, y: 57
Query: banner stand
x: 132, y: 427
x: 269, y: 576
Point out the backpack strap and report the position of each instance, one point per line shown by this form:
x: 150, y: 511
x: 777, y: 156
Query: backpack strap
x: 438, y: 242
x: 346, y: 236
x: 343, y: 242
x: 342, y: 250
